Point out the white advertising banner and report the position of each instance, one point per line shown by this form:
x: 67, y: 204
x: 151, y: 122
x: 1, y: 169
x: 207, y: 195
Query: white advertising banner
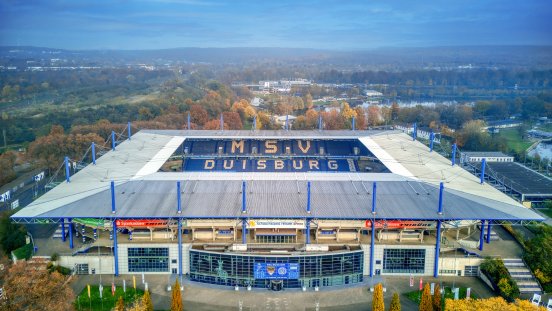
x: 276, y: 223
x: 5, y: 196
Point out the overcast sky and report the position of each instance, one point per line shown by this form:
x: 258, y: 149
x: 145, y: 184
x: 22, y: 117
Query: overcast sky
x: 343, y: 24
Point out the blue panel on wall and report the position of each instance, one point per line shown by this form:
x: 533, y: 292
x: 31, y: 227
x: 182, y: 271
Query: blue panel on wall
x: 276, y: 271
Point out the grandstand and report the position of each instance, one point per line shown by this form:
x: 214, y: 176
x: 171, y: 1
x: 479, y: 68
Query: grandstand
x: 517, y: 180
x: 272, y: 209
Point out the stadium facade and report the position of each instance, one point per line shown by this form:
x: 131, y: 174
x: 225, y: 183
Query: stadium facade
x: 276, y: 209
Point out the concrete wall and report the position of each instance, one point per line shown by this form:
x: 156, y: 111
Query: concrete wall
x: 429, y: 256
x: 102, y: 264
x: 378, y: 256
x: 105, y: 264
x: 123, y: 256
x: 458, y: 263
x: 453, y: 265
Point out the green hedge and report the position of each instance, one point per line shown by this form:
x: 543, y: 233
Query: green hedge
x: 24, y: 252
x: 503, y: 283
x: 538, y: 252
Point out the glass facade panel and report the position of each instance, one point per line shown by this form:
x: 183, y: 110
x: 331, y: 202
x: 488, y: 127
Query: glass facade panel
x: 276, y: 239
x: 235, y: 269
x: 148, y: 259
x: 403, y: 260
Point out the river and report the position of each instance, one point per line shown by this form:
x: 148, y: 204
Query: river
x: 544, y: 150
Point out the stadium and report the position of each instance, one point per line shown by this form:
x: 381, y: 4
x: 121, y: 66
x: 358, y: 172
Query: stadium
x: 271, y: 209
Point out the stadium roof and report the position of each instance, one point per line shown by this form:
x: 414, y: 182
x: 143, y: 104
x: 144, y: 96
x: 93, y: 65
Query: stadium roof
x: 519, y: 178
x: 222, y: 198
x: 496, y: 154
x: 410, y: 192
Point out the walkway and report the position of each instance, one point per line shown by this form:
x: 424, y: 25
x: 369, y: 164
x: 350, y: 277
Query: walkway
x: 204, y: 297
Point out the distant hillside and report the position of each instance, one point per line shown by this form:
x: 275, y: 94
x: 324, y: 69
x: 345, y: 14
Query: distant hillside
x: 395, y: 58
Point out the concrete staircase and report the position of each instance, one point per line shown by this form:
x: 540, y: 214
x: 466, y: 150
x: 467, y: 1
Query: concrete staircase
x: 522, y: 275
x: 58, y: 232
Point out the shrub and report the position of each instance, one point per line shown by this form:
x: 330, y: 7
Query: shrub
x: 395, y: 303
x: 426, y: 304
x: 503, y: 283
x: 24, y: 252
x: 377, y: 299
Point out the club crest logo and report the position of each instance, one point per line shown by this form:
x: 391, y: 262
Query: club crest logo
x: 270, y: 270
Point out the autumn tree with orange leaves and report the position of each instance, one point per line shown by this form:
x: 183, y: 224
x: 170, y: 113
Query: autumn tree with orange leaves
x: 490, y: 304
x: 51, y: 149
x: 30, y: 286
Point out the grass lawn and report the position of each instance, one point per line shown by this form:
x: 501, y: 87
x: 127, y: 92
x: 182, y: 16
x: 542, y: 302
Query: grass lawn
x: 416, y: 295
x: 546, y: 211
x: 514, y: 140
x: 95, y: 303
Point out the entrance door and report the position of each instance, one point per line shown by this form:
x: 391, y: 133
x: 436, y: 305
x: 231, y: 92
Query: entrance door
x: 276, y: 285
x: 81, y: 268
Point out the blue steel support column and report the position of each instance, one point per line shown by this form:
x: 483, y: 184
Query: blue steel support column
x: 113, y: 140
x: 189, y: 125
x: 414, y: 131
x: 67, y: 175
x: 244, y: 205
x: 254, y: 123
x: 115, y: 248
x: 287, y: 122
x: 112, y: 197
x: 481, y: 235
x: 93, y: 153
x: 482, y: 178
x: 179, y: 247
x: 244, y: 231
x: 488, y: 240
x: 129, y: 131
x: 63, y: 230
x: 441, y: 188
x: 307, y: 230
x: 437, y: 250
x: 178, y: 198
x: 372, y: 245
x: 353, y: 124
x: 70, y: 233
x: 320, y: 125
x: 431, y: 138
x: 453, y: 160
x: 374, y: 187
x: 308, y: 197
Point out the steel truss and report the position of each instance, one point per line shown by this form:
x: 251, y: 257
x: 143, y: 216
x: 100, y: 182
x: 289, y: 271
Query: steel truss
x: 174, y: 220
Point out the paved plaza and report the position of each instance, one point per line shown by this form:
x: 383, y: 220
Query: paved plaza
x: 207, y: 297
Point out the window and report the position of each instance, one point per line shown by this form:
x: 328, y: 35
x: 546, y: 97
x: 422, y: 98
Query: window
x: 315, y: 270
x: 148, y: 259
x: 471, y: 270
x: 173, y: 261
x: 276, y: 238
x: 447, y: 271
x: 403, y: 261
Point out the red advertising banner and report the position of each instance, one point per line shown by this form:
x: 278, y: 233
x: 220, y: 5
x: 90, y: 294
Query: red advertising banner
x: 140, y: 223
